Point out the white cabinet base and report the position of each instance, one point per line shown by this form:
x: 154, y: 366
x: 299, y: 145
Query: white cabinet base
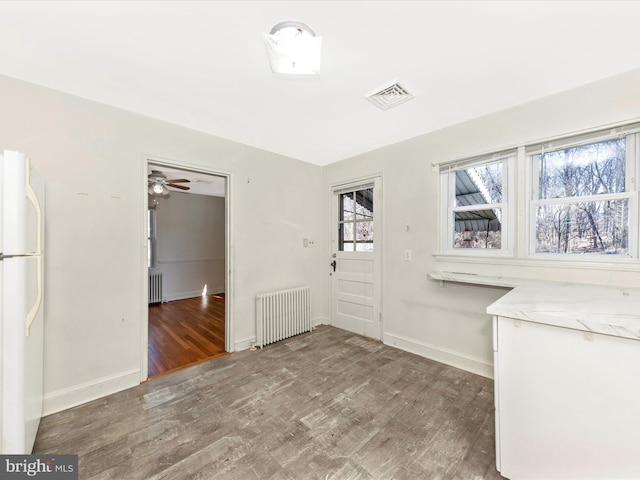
x: 567, y: 403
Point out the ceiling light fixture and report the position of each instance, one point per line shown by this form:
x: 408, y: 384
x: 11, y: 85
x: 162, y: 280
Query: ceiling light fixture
x: 293, y: 48
x: 157, y: 189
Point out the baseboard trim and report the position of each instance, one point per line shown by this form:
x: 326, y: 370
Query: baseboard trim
x: 455, y: 359
x: 85, y: 392
x: 320, y: 321
x: 244, y: 344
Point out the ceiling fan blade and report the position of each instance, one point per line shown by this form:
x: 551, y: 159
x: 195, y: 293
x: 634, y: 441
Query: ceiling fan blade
x: 179, y: 180
x: 181, y: 187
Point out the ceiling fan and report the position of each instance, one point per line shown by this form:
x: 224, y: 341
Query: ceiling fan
x: 158, y: 183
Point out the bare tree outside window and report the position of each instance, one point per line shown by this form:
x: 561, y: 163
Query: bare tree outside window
x: 582, y: 205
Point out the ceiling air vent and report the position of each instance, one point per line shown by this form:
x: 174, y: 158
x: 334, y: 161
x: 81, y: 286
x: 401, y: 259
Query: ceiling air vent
x: 389, y: 95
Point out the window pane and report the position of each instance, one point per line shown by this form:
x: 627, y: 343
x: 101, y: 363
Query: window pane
x: 478, y: 229
x: 597, y: 168
x: 346, y: 206
x: 364, y: 247
x: 345, y: 237
x: 364, y: 204
x: 347, y: 231
x: 585, y: 227
x: 364, y: 231
x: 479, y: 185
x: 355, y: 225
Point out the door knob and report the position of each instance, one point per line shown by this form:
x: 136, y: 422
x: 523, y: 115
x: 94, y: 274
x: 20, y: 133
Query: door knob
x: 333, y: 264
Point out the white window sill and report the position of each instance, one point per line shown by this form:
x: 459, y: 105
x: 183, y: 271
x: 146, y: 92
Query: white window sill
x: 621, y: 265
x: 474, y: 279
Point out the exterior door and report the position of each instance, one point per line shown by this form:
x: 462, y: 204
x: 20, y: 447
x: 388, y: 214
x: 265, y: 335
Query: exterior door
x: 355, y: 262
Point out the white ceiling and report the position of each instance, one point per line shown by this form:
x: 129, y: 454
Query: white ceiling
x: 203, y: 64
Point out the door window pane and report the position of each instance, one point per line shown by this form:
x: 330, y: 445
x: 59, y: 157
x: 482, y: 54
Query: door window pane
x: 346, y: 206
x: 348, y: 231
x: 364, y: 204
x: 364, y: 231
x: 355, y: 224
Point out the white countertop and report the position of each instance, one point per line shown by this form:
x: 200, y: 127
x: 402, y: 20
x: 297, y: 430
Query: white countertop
x: 607, y: 310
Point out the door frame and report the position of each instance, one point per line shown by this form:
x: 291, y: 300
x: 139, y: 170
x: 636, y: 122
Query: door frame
x: 228, y: 260
x: 378, y: 233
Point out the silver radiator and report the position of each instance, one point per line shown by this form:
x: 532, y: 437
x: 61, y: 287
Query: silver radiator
x: 155, y: 286
x: 282, y: 314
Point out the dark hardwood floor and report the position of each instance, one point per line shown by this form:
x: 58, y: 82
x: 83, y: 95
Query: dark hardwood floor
x: 326, y: 405
x: 185, y: 332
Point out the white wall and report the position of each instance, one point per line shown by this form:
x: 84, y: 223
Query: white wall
x: 190, y: 244
x: 448, y: 323
x: 91, y: 157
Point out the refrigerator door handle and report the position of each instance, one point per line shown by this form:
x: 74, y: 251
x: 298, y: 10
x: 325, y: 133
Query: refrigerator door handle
x: 33, y: 313
x: 33, y: 198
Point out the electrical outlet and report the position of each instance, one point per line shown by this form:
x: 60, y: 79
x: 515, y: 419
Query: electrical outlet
x: 311, y: 243
x: 407, y: 255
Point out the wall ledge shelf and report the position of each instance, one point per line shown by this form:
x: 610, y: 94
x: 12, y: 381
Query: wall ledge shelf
x: 473, y: 279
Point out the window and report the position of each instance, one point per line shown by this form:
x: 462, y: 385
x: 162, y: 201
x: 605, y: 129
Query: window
x: 577, y: 198
x: 582, y: 198
x: 478, y: 205
x: 355, y: 220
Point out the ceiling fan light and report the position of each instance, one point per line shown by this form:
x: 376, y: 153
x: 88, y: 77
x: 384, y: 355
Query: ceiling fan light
x: 158, y: 188
x: 293, y: 48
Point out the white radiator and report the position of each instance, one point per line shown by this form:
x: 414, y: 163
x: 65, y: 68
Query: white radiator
x: 282, y: 314
x: 155, y: 286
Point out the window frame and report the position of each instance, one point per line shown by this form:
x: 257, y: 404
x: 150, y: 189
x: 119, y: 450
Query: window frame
x: 632, y: 168
x: 507, y: 205
x: 521, y: 234
x: 355, y: 220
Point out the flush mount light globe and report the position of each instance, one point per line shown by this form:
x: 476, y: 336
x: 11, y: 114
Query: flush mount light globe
x: 293, y: 48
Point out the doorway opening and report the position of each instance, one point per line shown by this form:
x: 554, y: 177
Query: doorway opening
x: 187, y: 220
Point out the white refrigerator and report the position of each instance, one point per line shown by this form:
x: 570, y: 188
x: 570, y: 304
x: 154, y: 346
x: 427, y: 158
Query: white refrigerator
x: 22, y: 307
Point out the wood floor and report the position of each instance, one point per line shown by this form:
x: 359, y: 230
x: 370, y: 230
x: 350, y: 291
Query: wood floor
x: 185, y: 332
x: 327, y: 404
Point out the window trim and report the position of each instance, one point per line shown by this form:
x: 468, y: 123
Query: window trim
x: 448, y: 207
x: 522, y: 239
x: 632, y: 168
x: 354, y: 188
